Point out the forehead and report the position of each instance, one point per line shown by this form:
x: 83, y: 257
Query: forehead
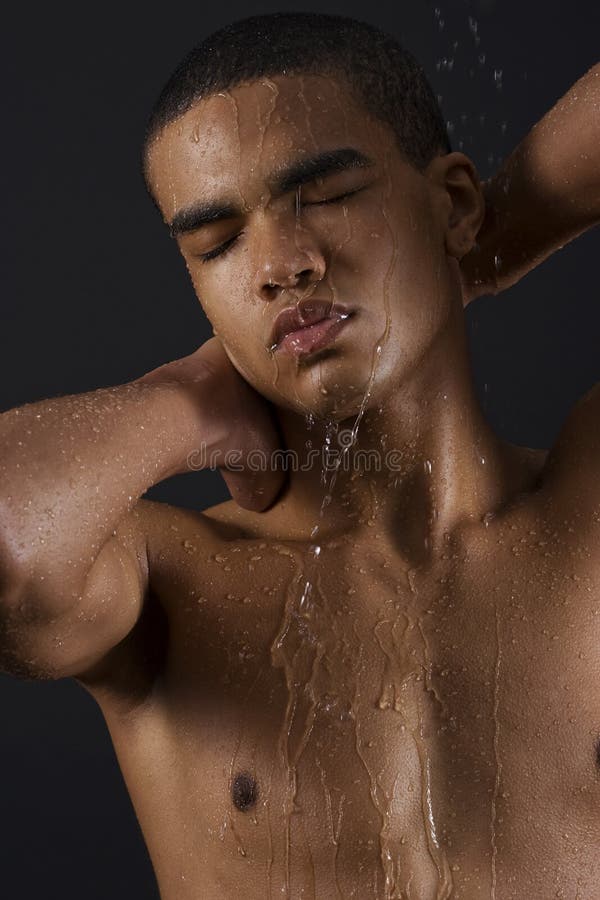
x: 232, y: 141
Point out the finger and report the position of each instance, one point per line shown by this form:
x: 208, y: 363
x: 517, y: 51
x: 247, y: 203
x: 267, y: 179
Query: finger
x: 255, y: 491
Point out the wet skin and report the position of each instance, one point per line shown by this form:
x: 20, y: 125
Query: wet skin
x: 397, y: 702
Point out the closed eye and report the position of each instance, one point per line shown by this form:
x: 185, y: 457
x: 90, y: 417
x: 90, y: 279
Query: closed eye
x: 221, y: 250
x: 331, y: 199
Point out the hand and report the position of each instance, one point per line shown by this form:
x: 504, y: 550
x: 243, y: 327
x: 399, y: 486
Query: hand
x: 240, y: 421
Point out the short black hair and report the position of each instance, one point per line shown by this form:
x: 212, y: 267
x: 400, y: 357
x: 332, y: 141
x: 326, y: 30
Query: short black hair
x: 384, y: 77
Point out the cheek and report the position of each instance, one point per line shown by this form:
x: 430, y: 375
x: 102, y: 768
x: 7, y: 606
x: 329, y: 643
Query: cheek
x: 238, y: 330
x: 212, y: 297
x: 416, y: 251
x: 398, y: 272
x: 393, y: 240
x: 407, y: 274
x: 222, y: 290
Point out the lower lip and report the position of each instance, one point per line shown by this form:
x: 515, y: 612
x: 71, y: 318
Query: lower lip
x: 313, y: 337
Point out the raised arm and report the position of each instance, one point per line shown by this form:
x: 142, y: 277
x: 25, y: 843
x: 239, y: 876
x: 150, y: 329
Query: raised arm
x: 546, y: 193
x: 73, y: 563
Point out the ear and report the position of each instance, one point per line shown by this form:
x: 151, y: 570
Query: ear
x: 463, y: 204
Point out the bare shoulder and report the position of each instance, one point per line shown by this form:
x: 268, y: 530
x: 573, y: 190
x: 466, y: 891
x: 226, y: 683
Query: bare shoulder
x: 157, y: 518
x: 172, y: 531
x: 571, y: 476
x: 127, y: 675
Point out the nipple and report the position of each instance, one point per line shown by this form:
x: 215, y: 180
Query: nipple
x: 244, y: 791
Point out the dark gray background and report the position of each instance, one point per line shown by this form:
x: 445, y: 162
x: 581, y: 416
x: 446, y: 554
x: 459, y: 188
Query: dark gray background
x: 95, y: 294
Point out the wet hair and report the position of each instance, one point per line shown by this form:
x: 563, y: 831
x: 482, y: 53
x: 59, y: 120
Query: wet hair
x: 382, y: 75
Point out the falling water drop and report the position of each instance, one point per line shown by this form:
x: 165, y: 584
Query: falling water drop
x: 438, y: 15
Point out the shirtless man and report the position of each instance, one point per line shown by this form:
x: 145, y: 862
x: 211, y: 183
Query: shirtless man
x: 370, y: 674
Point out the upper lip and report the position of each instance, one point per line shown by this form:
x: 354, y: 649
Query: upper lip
x: 305, y: 312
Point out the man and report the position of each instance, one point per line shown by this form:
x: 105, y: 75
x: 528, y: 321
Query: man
x: 368, y: 674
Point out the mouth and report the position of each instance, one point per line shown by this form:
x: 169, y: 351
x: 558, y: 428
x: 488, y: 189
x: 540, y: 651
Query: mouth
x: 303, y: 330
x: 310, y: 338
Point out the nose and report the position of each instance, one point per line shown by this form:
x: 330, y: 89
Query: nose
x: 288, y: 258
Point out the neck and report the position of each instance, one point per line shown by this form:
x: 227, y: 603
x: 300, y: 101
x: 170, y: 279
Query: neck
x: 409, y: 468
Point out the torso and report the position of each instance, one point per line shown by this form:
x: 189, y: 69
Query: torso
x: 387, y: 732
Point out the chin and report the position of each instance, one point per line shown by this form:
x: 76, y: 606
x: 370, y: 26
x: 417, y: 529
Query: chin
x: 329, y: 397
x: 332, y: 383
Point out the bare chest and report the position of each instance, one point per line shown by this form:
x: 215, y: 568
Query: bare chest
x: 352, y: 725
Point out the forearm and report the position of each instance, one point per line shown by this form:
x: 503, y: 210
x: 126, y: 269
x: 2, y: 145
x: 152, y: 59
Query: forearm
x: 546, y: 193
x: 72, y: 467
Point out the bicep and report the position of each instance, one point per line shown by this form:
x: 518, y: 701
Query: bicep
x: 110, y: 604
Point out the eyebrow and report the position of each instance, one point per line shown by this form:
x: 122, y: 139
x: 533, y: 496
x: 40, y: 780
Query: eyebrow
x: 287, y: 178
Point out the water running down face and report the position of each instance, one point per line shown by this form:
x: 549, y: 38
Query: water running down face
x: 286, y: 189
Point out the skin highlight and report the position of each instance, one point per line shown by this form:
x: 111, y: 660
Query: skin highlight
x: 368, y: 685
x: 390, y: 248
